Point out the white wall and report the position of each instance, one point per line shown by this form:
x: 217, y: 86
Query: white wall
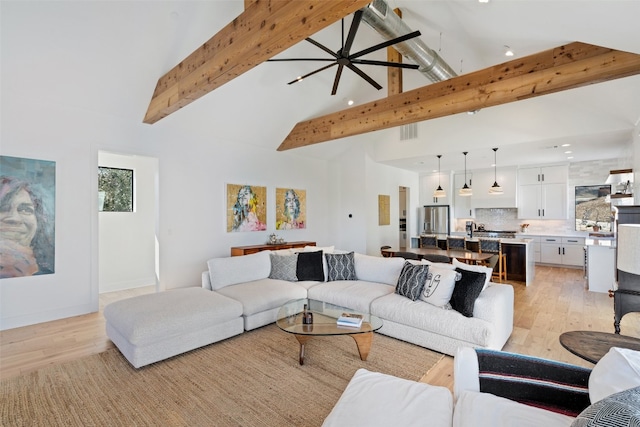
x: 383, y: 179
x: 127, y: 239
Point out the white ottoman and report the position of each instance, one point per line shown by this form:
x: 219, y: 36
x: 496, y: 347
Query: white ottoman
x: 153, y: 327
x: 373, y: 399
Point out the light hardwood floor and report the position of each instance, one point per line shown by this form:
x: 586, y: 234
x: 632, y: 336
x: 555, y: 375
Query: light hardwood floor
x: 556, y: 302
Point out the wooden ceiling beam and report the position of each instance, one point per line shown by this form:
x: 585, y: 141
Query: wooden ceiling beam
x: 264, y: 29
x: 565, y: 67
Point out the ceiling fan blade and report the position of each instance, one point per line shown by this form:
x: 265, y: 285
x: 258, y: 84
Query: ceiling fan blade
x: 364, y: 76
x: 301, y: 59
x: 312, y: 73
x: 386, y: 64
x: 385, y: 44
x: 357, y: 17
x: 326, y: 49
x: 337, y: 80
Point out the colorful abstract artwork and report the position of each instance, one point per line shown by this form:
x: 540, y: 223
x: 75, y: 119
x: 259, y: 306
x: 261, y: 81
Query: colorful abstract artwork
x: 291, y: 211
x: 27, y: 217
x: 246, y: 208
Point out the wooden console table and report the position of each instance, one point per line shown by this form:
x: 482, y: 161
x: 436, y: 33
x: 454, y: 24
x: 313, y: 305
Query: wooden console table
x: 246, y: 250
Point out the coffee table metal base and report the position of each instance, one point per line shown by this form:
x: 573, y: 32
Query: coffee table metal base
x: 363, y: 341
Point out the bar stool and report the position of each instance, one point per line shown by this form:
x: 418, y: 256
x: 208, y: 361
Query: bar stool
x: 493, y: 246
x: 457, y: 243
x: 429, y: 241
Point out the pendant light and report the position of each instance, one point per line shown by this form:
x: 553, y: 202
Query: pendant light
x: 439, y: 192
x: 465, y: 190
x: 495, y: 188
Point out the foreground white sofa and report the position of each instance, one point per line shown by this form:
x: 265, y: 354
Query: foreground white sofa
x: 608, y: 395
x: 246, y: 280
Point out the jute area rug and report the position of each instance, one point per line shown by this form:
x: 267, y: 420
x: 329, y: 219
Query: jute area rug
x: 253, y: 379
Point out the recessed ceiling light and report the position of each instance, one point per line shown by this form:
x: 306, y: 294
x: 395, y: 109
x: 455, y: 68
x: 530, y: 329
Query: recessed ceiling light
x: 568, y: 152
x: 483, y: 1
x: 350, y: 102
x: 508, y: 51
x: 566, y: 145
x: 570, y: 157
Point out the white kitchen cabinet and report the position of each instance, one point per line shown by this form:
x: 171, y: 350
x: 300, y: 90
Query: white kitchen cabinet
x: 542, y: 193
x: 567, y: 251
x: 461, y: 205
x: 483, y: 179
x: 543, y: 175
x: 429, y: 183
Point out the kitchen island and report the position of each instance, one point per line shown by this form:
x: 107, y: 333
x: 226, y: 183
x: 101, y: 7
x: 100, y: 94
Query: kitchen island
x: 520, y: 253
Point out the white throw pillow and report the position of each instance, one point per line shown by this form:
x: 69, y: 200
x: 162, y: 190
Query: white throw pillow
x: 439, y: 264
x: 439, y: 286
x: 324, y: 249
x: 618, y: 370
x: 476, y: 268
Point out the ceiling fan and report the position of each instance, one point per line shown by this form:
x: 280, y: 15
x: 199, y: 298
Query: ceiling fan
x: 343, y: 58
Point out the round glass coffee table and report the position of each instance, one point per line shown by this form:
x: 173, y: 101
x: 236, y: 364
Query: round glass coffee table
x: 325, y: 317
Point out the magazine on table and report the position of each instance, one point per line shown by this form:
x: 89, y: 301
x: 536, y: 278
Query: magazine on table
x: 350, y: 319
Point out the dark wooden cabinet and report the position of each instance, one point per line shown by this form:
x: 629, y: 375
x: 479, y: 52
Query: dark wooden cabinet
x: 246, y: 250
x: 516, y: 261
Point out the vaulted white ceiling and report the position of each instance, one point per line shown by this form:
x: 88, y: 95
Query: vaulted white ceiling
x: 106, y: 56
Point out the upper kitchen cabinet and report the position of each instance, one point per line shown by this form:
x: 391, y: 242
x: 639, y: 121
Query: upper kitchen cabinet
x: 483, y: 179
x: 542, y: 192
x: 429, y: 183
x: 462, y: 207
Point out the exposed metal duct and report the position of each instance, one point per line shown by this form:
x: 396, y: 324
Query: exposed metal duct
x: 381, y: 18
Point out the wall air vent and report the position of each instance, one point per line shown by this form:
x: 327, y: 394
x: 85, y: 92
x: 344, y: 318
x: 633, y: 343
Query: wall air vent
x: 409, y: 131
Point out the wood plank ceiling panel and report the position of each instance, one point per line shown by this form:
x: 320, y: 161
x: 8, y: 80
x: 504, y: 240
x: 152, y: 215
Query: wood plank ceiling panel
x: 565, y: 67
x: 264, y: 29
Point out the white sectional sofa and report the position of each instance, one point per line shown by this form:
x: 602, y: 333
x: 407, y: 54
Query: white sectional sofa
x: 246, y: 279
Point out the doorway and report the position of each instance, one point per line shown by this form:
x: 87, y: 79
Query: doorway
x: 404, y: 240
x: 127, y: 240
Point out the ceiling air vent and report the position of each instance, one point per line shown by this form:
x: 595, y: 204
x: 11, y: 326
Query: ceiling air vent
x: 409, y: 131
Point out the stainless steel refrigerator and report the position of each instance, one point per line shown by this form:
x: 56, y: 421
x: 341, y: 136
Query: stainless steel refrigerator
x: 434, y: 219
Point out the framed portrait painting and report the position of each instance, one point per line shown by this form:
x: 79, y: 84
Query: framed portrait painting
x: 246, y: 208
x: 291, y: 209
x: 27, y: 217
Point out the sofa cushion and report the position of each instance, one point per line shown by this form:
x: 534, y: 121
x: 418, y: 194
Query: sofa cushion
x: 466, y: 291
x: 340, y: 266
x: 264, y: 294
x: 486, y: 410
x: 238, y: 269
x: 477, y: 268
x: 618, y: 370
x: 378, y: 269
x: 373, y: 399
x: 151, y: 318
x: 438, y: 320
x: 283, y: 267
x: 439, y: 286
x: 621, y: 409
x: 412, y: 280
x: 354, y: 294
